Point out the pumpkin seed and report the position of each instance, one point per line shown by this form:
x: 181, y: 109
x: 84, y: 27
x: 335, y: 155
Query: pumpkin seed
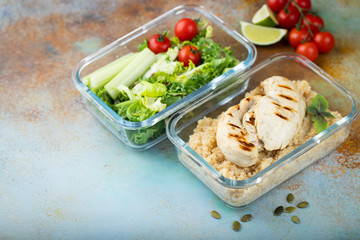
x: 302, y: 204
x: 215, y: 214
x: 289, y: 209
x: 236, y: 226
x: 295, y: 219
x: 290, y: 198
x: 246, y: 218
x: 278, y: 211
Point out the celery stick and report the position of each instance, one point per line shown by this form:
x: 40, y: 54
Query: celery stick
x: 102, y: 76
x: 86, y: 80
x: 131, y: 72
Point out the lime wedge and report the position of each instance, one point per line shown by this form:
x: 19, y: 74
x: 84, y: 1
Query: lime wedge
x: 265, y: 17
x: 260, y: 35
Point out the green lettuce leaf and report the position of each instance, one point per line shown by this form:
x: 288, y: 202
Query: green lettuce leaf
x: 143, y: 45
x: 144, y: 88
x: 154, y: 104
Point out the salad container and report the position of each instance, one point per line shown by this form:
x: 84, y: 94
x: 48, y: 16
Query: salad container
x: 144, y: 134
x: 243, y: 192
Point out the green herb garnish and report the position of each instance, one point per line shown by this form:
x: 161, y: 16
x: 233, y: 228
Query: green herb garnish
x: 318, y: 109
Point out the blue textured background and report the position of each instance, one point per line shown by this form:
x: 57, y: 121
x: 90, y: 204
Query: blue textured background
x: 64, y: 176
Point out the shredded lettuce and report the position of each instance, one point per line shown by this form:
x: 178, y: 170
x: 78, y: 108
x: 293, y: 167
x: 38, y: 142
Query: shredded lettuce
x: 144, y: 101
x: 209, y: 32
x: 143, y: 45
x: 134, y: 110
x: 154, y: 104
x: 165, y: 63
x: 142, y: 136
x: 144, y: 88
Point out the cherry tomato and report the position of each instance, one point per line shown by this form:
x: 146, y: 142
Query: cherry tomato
x: 288, y: 20
x: 296, y: 37
x: 308, y: 50
x: 315, y: 22
x: 325, y: 41
x: 188, y: 53
x: 186, y: 29
x: 304, y: 4
x: 276, y: 5
x: 159, y: 43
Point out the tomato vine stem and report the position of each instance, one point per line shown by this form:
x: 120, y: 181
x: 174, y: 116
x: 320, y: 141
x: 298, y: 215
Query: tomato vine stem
x: 302, y: 16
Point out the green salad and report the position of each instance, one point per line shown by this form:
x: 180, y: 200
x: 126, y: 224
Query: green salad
x: 163, y: 71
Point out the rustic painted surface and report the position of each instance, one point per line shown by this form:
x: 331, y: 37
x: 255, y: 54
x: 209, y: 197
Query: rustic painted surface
x: 64, y: 176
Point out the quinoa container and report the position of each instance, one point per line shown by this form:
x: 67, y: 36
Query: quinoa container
x: 243, y: 192
x: 128, y: 132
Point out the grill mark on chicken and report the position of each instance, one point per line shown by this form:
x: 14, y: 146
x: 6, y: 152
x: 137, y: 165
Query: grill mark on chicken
x: 287, y: 97
x: 276, y: 104
x: 250, y: 145
x: 236, y: 136
x: 237, y: 107
x: 234, y: 125
x: 281, y: 116
x: 284, y: 107
x: 247, y: 99
x: 242, y: 141
x: 285, y: 86
x: 230, y: 114
x: 245, y: 148
x: 289, y: 109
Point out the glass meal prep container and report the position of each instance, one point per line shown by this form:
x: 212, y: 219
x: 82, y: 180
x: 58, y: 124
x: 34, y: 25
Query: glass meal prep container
x: 127, y: 131
x: 243, y: 192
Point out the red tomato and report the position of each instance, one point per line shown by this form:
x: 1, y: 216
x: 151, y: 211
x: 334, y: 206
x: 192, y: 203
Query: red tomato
x: 296, y: 37
x: 186, y: 29
x: 308, y: 50
x: 288, y: 20
x: 304, y: 4
x: 276, y: 5
x: 159, y: 43
x: 316, y: 23
x: 188, y: 53
x: 325, y: 41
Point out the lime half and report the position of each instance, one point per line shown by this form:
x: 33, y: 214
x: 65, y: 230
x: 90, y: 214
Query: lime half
x: 260, y: 35
x: 265, y: 17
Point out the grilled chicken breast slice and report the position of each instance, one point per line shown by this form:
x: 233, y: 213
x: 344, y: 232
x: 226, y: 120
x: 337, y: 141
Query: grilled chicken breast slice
x: 261, y: 122
x: 283, y: 90
x: 275, y: 126
x: 233, y: 139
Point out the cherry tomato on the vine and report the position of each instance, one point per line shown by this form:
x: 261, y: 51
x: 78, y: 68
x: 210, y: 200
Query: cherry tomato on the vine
x: 308, y: 50
x: 186, y: 29
x: 324, y: 41
x: 276, y: 5
x: 159, y: 43
x: 316, y: 23
x: 304, y: 4
x: 288, y: 20
x: 188, y: 53
x: 296, y: 37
